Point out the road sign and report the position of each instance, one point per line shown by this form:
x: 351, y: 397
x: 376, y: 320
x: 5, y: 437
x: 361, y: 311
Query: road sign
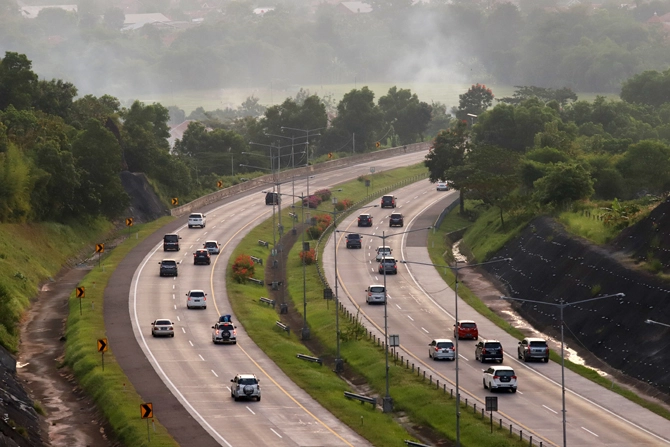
x: 394, y: 340
x: 81, y: 292
x: 378, y: 144
x: 102, y: 345
x: 175, y: 201
x: 491, y: 403
x: 129, y: 222
x: 328, y: 294
x: 219, y: 183
x: 147, y: 410
x: 99, y: 248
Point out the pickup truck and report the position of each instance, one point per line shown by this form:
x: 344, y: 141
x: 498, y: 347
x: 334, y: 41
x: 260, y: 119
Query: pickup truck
x: 197, y: 220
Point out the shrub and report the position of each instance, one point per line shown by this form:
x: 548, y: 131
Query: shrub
x: 324, y: 194
x: 243, y: 268
x: 308, y: 256
x: 312, y: 201
x: 344, y: 204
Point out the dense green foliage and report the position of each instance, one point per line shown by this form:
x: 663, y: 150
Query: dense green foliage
x: 592, y: 46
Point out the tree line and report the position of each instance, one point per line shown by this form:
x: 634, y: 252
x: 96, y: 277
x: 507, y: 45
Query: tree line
x: 536, y: 42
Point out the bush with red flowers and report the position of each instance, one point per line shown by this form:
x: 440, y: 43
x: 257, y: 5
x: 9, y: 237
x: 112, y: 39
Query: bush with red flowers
x: 243, y: 268
x: 308, y: 256
x: 311, y: 201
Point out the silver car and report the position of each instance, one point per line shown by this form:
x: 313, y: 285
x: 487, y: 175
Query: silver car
x: 212, y: 247
x: 375, y: 294
x: 442, y: 348
x: 196, y: 299
x: 162, y: 327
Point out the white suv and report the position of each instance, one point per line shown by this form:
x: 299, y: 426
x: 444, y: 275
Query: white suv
x: 196, y: 298
x: 196, y: 220
x: 245, y: 386
x: 383, y: 252
x: 375, y: 294
x: 499, y: 377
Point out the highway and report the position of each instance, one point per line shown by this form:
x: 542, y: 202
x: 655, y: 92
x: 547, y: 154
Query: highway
x: 196, y: 371
x: 421, y: 307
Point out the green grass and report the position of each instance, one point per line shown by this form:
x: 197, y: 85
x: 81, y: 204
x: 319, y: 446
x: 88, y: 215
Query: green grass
x: 412, y: 396
x: 487, y: 234
x: 110, y: 389
x: 587, y: 227
x: 30, y: 254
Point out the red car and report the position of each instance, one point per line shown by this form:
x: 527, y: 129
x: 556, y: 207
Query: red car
x: 466, y: 329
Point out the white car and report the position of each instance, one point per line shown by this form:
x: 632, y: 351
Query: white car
x: 499, y: 378
x: 197, y: 220
x: 245, y: 386
x: 383, y: 252
x: 375, y: 294
x: 442, y: 186
x: 442, y: 348
x: 162, y: 327
x: 196, y: 299
x: 212, y: 247
x: 224, y: 332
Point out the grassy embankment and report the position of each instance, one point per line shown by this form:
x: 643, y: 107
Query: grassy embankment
x: 412, y: 395
x: 485, y: 236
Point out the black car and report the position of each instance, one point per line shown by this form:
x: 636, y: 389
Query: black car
x: 396, y: 219
x: 272, y: 198
x: 365, y: 220
x: 171, y: 242
x: 388, y: 202
x: 354, y: 240
x: 489, y: 350
x: 169, y: 267
x: 202, y: 256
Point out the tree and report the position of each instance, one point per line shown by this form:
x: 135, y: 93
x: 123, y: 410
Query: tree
x: 408, y: 115
x: 17, y: 81
x: 650, y: 87
x: 144, y: 136
x: 15, y: 186
x: 54, y: 97
x: 563, y: 183
x: 475, y: 101
x: 56, y: 182
x: 447, y: 154
x: 646, y: 167
x: 357, y: 115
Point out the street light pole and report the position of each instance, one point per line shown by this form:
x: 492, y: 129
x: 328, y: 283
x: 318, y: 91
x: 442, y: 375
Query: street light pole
x: 339, y: 366
x: 305, y: 328
x: 562, y: 305
x: 456, y: 269
x: 307, y: 131
x: 387, y: 401
x: 656, y: 322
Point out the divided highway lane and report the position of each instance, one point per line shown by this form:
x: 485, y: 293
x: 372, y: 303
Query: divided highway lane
x: 420, y: 309
x: 196, y: 371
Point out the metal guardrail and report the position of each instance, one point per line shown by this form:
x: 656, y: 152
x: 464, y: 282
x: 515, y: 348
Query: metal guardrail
x: 415, y: 444
x: 309, y: 358
x: 267, y: 301
x: 283, y: 327
x: 364, y: 399
x: 257, y: 260
x: 257, y: 281
x: 263, y: 243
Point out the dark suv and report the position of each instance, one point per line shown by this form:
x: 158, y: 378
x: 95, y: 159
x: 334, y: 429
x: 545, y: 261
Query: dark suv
x: 489, y: 350
x: 169, y: 267
x: 365, y: 220
x: 202, y: 256
x: 396, y: 219
x: 388, y: 202
x: 272, y: 198
x: 354, y: 240
x: 171, y: 242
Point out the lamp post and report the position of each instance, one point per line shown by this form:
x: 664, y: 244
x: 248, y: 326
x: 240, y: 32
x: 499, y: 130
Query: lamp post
x: 387, y: 401
x: 307, y: 132
x: 456, y: 269
x: 562, y: 305
x: 656, y: 322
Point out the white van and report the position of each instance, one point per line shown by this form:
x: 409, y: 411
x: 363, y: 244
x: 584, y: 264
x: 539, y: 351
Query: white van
x: 383, y: 252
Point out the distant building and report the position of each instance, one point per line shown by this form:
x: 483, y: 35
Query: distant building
x: 177, y: 132
x: 355, y: 7
x: 135, y: 21
x: 662, y: 21
x: 31, y: 12
x: 261, y: 11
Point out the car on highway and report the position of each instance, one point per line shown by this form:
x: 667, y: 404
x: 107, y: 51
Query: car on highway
x: 388, y: 266
x: 499, y: 378
x: 196, y: 299
x: 466, y: 329
x: 169, y: 267
x: 383, y: 251
x: 224, y: 332
x: 489, y: 350
x: 201, y: 256
x: 171, y: 242
x: 365, y: 220
x: 442, y: 186
x: 388, y: 202
x: 442, y: 348
x: 162, y: 327
x: 354, y: 240
x: 272, y: 198
x: 375, y: 293
x: 533, y: 348
x: 245, y: 386
x: 197, y: 220
x: 212, y: 247
x: 396, y: 220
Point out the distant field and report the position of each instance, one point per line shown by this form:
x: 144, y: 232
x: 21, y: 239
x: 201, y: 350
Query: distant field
x: 189, y: 100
